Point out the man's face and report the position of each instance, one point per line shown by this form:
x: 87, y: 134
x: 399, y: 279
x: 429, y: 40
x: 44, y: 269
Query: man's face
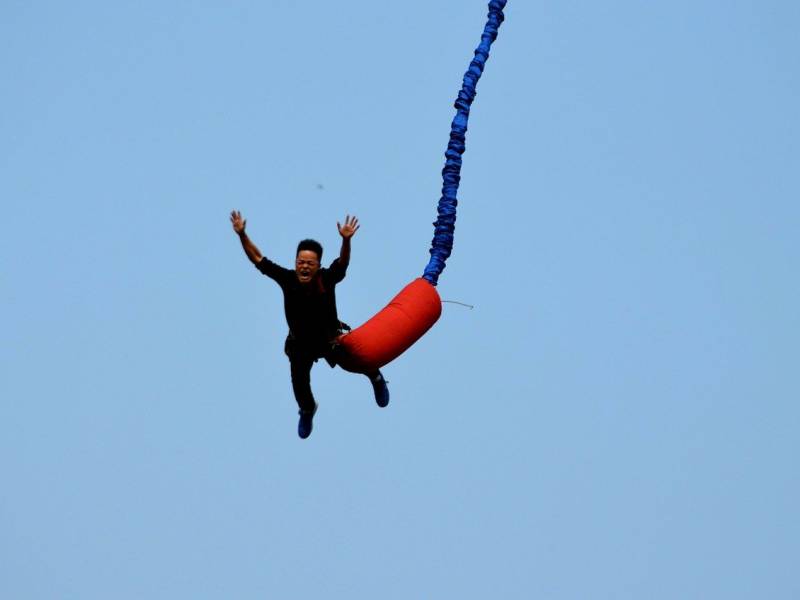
x: 306, y: 265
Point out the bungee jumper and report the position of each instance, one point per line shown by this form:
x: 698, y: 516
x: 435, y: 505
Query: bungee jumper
x: 309, y: 302
x: 315, y: 330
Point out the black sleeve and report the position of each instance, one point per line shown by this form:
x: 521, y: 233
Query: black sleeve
x: 337, y: 271
x: 273, y: 271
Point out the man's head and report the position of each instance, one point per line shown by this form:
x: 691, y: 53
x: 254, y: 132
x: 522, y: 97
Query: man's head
x: 307, y: 261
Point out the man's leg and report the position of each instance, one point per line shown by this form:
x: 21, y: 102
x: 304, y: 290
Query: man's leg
x: 380, y: 388
x: 375, y: 377
x: 301, y: 384
x: 301, y: 381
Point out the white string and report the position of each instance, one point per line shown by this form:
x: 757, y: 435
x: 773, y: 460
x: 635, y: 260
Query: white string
x: 469, y: 306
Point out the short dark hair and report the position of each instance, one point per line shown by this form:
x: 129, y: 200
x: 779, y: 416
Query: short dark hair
x: 312, y: 245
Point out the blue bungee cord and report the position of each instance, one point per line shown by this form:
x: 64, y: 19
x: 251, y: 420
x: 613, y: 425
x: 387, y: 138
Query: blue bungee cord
x: 444, y: 227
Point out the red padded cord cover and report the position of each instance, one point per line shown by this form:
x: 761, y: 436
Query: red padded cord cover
x: 393, y: 330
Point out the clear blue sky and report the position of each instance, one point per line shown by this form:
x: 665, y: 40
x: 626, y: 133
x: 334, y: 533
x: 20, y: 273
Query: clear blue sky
x: 616, y: 419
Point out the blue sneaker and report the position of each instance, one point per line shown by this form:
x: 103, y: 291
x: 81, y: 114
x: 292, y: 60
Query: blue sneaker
x: 380, y: 389
x: 306, y: 423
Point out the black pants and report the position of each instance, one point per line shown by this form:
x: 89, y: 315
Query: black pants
x: 301, y: 382
x: 301, y: 359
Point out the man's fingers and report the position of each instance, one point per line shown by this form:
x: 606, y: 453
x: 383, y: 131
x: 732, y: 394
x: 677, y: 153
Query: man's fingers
x: 350, y: 225
x: 237, y: 221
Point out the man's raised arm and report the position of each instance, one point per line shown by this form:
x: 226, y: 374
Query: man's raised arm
x: 250, y: 249
x: 347, y: 231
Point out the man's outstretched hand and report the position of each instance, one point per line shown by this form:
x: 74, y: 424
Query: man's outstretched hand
x: 238, y: 222
x: 349, y: 228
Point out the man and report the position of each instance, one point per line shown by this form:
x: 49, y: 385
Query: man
x: 309, y: 301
